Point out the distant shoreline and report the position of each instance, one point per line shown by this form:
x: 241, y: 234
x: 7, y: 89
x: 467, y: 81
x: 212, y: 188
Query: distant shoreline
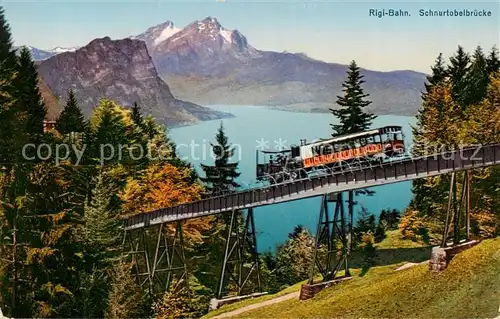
x: 296, y: 108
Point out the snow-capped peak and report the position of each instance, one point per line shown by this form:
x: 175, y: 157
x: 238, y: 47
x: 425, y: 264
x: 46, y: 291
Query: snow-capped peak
x: 62, y: 50
x: 211, y: 26
x: 227, y: 35
x: 158, y: 33
x: 168, y: 31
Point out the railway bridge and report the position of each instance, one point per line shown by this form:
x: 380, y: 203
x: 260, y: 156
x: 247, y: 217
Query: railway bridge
x: 155, y: 239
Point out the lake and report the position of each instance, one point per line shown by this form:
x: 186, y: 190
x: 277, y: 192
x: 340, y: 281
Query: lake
x: 256, y: 127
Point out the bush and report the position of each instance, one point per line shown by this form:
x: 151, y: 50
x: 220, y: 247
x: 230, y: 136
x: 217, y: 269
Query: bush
x: 368, y: 249
x: 379, y: 232
x: 485, y: 224
x: 183, y: 303
x: 413, y: 226
x: 390, y: 218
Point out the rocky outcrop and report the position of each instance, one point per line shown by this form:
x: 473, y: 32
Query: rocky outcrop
x: 123, y: 71
x: 51, y: 103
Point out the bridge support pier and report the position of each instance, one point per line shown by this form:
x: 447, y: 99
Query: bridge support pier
x: 454, y: 211
x: 455, y: 223
x: 241, y: 259
x: 158, y: 256
x: 332, y: 243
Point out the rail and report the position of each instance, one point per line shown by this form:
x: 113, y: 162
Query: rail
x: 388, y: 173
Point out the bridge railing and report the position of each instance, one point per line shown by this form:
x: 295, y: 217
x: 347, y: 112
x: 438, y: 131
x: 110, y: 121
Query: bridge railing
x: 416, y: 167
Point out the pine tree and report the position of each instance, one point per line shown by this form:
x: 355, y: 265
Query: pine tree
x: 110, y: 124
x: 71, y: 118
x: 352, y: 117
x: 220, y: 177
x: 457, y: 73
x: 126, y: 300
x: 15, y: 232
x: 101, y: 242
x: 493, y: 61
x: 12, y: 119
x: 28, y: 95
x: 8, y: 57
x: 438, y: 75
x: 53, y: 251
x: 137, y: 115
x: 100, y: 224
x: 477, y: 78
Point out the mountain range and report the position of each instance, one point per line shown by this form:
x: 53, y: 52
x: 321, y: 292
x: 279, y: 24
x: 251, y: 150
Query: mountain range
x: 40, y: 55
x: 206, y: 63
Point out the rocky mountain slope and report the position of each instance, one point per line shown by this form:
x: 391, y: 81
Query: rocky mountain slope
x: 207, y: 63
x: 52, y: 104
x: 121, y: 70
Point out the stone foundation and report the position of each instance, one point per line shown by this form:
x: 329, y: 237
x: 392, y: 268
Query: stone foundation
x: 217, y: 303
x: 440, y: 257
x: 308, y: 291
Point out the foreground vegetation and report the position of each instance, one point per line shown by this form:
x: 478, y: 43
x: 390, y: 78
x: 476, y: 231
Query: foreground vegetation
x: 390, y: 253
x: 468, y: 288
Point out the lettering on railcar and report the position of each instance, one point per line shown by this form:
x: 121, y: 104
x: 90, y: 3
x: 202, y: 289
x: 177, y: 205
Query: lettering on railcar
x: 343, y: 155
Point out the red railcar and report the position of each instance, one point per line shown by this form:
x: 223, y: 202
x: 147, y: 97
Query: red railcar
x: 336, y: 153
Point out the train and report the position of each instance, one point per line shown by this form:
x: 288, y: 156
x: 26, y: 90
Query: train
x: 371, y: 147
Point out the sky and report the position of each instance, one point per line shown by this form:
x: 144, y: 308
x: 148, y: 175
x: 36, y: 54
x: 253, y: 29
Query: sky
x: 332, y: 31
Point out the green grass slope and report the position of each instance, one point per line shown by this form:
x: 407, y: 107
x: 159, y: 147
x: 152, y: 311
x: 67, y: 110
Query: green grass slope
x: 468, y: 288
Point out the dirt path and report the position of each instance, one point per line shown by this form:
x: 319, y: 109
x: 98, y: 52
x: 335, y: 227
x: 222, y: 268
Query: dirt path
x: 258, y: 305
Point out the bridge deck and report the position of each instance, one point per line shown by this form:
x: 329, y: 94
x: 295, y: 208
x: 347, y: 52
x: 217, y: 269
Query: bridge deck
x: 425, y: 166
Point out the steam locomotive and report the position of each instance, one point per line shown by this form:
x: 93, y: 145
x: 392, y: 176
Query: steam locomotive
x: 334, y: 154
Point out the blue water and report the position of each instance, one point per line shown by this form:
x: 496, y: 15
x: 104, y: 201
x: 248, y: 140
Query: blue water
x: 252, y: 124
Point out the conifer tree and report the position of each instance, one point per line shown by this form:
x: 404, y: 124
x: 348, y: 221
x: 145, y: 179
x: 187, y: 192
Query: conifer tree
x: 12, y: 119
x: 457, y: 73
x: 71, y: 118
x: 478, y: 78
x: 8, y: 57
x: 221, y: 176
x: 219, y: 179
x: 28, y: 95
x: 437, y: 76
x: 126, y: 300
x: 53, y: 252
x: 15, y: 231
x: 352, y: 116
x: 137, y: 115
x: 493, y: 61
x: 101, y: 241
x: 110, y: 124
x: 101, y: 226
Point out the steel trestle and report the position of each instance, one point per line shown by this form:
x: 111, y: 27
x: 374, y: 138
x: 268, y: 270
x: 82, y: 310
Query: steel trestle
x: 162, y: 267
x: 333, y: 238
x: 454, y: 214
x: 241, y: 259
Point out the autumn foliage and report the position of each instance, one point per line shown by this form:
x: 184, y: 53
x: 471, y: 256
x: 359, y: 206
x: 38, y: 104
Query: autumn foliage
x: 164, y: 185
x: 446, y: 121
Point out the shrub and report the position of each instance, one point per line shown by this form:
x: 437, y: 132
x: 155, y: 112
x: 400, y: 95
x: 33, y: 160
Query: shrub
x: 485, y: 223
x: 368, y: 249
x: 413, y: 226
